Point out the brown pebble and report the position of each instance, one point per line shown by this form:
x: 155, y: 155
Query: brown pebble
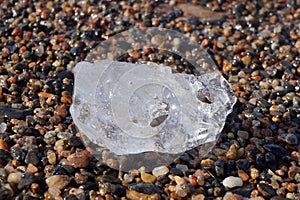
x: 61, y: 110
x: 31, y: 168
x: 147, y: 178
x: 58, y: 181
x: 45, y: 95
x: 200, y: 177
x: 208, y: 163
x: 243, y: 175
x: 131, y: 194
x: 3, y: 145
x: 51, y: 158
x: 34, y: 187
x: 80, y: 159
x: 193, y: 180
x: 80, y: 179
x: 232, y: 152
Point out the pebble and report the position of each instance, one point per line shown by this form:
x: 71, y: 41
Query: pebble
x: 3, y: 145
x: 58, y: 181
x: 3, y: 127
x: 232, y: 152
x: 146, y: 188
x: 26, y: 180
x: 179, y: 180
x: 80, y: 179
x: 291, y: 139
x: 243, y: 134
x: 80, y: 159
x: 254, y: 173
x: 231, y: 182
x: 51, y: 158
x: 243, y: 175
x: 276, y: 150
x: 14, y: 178
x: 147, y: 178
x: 160, y: 171
x: 266, y: 190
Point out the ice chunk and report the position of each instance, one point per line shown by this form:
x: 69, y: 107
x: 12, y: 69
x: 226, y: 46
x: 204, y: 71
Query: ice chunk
x: 134, y: 108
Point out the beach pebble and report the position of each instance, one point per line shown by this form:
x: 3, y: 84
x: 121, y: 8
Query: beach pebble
x: 148, y: 178
x: 80, y: 159
x: 160, y: 171
x: 231, y: 182
x: 58, y: 181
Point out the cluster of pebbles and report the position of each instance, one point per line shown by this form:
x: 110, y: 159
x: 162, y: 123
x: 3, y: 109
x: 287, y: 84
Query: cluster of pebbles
x: 256, y: 46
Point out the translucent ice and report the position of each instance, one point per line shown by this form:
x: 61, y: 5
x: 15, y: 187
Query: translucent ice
x: 135, y: 108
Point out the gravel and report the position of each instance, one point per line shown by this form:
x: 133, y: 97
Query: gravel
x: 255, y: 46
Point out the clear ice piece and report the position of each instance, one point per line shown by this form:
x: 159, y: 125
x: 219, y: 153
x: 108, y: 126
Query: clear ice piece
x: 134, y: 108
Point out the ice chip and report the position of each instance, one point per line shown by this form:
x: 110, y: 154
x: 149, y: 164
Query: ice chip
x: 135, y: 108
x: 145, y: 114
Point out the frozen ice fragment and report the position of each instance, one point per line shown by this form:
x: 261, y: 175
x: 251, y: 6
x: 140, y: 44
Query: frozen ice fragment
x: 135, y: 108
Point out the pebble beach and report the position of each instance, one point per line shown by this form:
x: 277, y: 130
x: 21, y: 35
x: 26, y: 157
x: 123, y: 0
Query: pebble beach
x: 256, y: 47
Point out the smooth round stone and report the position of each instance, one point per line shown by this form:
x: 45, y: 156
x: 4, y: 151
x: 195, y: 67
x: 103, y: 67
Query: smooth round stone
x: 148, y: 178
x: 291, y: 139
x: 58, y: 181
x: 14, y: 177
x: 232, y: 181
x: 2, y: 127
x: 160, y: 171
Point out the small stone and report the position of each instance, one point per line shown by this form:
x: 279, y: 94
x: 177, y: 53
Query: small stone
x: 219, y: 168
x: 231, y: 182
x: 80, y: 179
x: 2, y: 127
x: 193, y: 180
x: 26, y: 180
x: 293, y: 170
x: 58, y: 181
x: 200, y: 177
x: 232, y: 152
x: 32, y: 157
x: 243, y: 134
x: 230, y: 196
x: 254, y: 173
x: 14, y: 178
x: 31, y: 168
x: 148, y: 178
x: 182, y: 167
x: 160, y: 171
x: 276, y: 150
x: 198, y: 197
x: 179, y: 180
x: 131, y: 194
x: 146, y: 188
x: 243, y: 175
x: 3, y: 144
x: 51, y: 158
x: 80, y: 159
x: 208, y: 163
x: 291, y: 139
x: 266, y: 190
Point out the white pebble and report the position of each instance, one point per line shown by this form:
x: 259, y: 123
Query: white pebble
x: 160, y: 171
x: 231, y: 182
x: 2, y: 127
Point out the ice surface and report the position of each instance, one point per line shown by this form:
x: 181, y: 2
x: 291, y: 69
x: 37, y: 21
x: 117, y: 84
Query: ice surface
x: 135, y: 108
